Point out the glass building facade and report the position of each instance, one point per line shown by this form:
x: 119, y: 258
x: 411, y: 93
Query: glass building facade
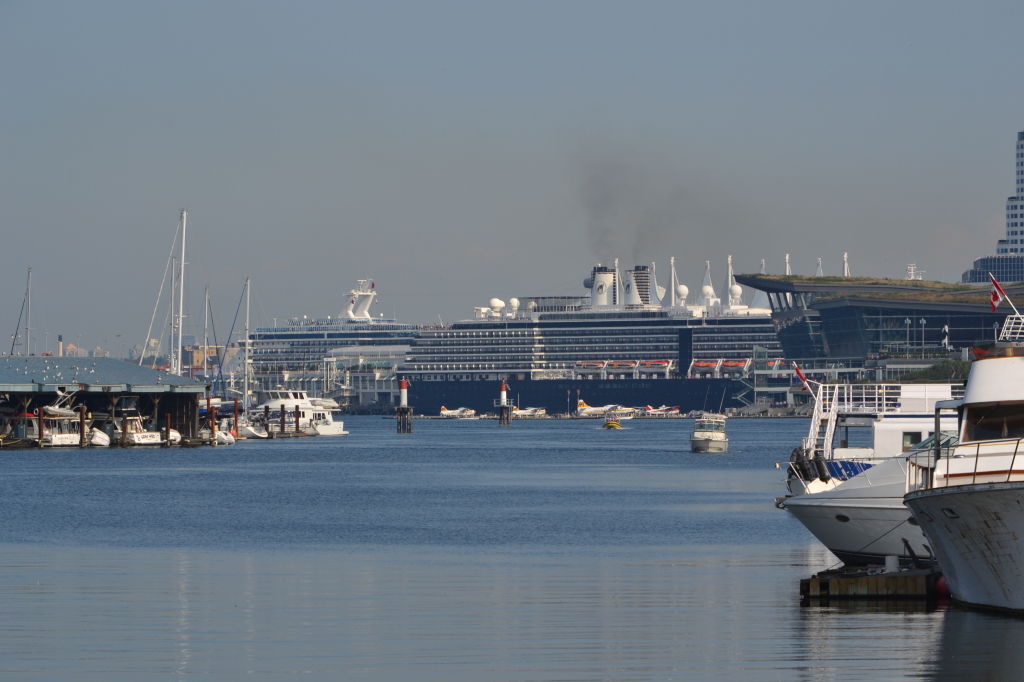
x: 1007, y: 265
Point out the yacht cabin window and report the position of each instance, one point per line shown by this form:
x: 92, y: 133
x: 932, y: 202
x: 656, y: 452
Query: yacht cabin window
x: 911, y: 439
x: 992, y: 422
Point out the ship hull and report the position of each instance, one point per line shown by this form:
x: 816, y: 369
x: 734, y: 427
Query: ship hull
x: 708, y: 445
x: 688, y: 394
x: 977, y: 533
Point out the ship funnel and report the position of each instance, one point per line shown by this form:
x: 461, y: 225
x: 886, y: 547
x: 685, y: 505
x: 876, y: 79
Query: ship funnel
x: 603, y: 282
x: 630, y: 294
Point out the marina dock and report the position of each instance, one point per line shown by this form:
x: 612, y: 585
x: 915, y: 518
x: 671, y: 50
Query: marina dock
x: 917, y: 583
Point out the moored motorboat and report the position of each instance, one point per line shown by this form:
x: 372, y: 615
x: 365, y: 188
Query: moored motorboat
x: 970, y: 504
x: 864, y: 519
x: 313, y: 419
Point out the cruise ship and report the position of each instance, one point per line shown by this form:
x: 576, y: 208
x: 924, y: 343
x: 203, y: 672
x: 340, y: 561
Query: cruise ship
x: 629, y: 342
x: 302, y: 354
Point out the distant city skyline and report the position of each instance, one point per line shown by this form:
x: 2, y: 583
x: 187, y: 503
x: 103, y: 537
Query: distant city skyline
x: 457, y: 151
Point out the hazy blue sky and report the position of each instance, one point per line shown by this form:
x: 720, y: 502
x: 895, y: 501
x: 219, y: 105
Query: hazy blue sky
x: 458, y: 151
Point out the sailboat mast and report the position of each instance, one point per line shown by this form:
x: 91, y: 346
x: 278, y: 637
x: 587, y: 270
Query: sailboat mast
x: 206, y: 327
x: 28, y: 317
x: 245, y: 381
x: 181, y: 290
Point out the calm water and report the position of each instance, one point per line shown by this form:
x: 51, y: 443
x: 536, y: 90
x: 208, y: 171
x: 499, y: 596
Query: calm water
x: 549, y: 551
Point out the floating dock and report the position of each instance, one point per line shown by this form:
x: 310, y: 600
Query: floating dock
x: 919, y: 583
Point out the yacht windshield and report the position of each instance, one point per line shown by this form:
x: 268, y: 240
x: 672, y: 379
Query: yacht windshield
x: 992, y: 422
x: 709, y: 426
x: 949, y: 439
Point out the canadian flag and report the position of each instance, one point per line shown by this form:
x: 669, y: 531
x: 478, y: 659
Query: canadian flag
x: 997, y: 293
x: 800, y: 374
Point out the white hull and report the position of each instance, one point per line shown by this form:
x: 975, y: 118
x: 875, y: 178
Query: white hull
x: 330, y: 429
x: 98, y: 438
x: 977, y: 532
x: 709, y: 445
x: 62, y: 440
x: 251, y: 431
x: 876, y: 528
x: 138, y: 438
x: 225, y: 438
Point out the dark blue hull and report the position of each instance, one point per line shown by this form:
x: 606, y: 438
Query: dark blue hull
x: 427, y: 397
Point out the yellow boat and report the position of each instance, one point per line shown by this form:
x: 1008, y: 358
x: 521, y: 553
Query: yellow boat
x: 612, y: 423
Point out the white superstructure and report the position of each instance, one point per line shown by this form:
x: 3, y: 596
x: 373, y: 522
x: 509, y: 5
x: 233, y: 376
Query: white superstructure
x: 899, y: 415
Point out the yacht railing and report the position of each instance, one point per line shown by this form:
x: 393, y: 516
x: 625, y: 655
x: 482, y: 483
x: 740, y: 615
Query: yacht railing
x: 1013, y: 328
x: 990, y: 461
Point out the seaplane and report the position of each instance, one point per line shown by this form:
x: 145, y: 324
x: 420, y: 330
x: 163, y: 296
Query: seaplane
x: 527, y: 412
x: 663, y: 411
x: 457, y: 413
x: 618, y: 411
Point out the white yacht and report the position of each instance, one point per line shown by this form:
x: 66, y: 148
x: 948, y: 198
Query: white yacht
x: 709, y: 434
x: 899, y: 416
x: 130, y: 426
x: 863, y: 520
x: 971, y: 504
x: 315, y: 417
x: 61, y: 427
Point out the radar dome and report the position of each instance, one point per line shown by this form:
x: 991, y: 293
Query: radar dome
x: 735, y: 291
x: 707, y: 291
x: 682, y: 291
x: 513, y: 303
x: 497, y: 304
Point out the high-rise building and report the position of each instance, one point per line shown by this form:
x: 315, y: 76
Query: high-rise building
x: 1007, y: 265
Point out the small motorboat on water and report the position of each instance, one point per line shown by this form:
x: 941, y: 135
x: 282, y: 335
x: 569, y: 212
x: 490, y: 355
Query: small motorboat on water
x: 709, y: 434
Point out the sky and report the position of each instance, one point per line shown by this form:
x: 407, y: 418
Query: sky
x: 453, y: 152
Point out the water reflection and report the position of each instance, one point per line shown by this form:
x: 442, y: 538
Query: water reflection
x: 643, y: 614
x: 976, y: 646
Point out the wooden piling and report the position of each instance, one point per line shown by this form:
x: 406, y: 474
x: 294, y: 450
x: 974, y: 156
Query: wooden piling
x: 83, y: 436
x: 212, y: 421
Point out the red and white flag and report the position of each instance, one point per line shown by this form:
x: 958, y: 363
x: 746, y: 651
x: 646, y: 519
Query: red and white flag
x: 997, y: 293
x: 800, y: 374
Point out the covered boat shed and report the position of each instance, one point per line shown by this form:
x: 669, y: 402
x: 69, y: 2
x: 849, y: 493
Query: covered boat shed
x: 28, y: 383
